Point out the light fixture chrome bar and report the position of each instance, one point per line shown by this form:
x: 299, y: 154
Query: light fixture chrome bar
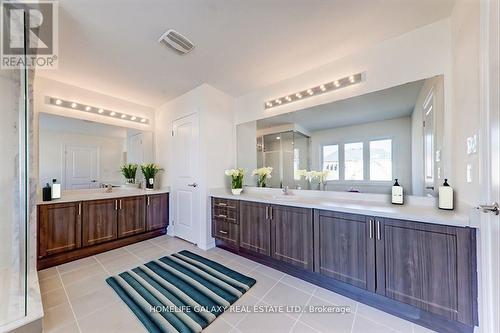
x: 96, y: 110
x: 317, y: 90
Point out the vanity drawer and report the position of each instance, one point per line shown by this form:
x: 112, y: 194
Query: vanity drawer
x: 225, y: 210
x: 225, y: 231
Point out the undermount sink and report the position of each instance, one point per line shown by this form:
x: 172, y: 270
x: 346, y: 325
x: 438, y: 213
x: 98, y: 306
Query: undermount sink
x: 285, y: 197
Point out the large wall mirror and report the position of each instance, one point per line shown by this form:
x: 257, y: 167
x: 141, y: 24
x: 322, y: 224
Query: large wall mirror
x: 83, y: 154
x: 362, y: 143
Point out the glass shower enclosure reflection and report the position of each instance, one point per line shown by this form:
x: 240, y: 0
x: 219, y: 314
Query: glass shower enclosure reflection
x: 287, y: 153
x: 14, y: 197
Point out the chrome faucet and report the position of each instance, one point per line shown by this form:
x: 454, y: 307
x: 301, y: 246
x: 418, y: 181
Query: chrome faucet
x: 285, y: 190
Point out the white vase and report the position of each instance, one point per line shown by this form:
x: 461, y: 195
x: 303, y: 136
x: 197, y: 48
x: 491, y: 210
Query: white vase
x: 236, y: 191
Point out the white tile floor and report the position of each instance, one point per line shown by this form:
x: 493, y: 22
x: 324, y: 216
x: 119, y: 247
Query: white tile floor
x: 77, y: 299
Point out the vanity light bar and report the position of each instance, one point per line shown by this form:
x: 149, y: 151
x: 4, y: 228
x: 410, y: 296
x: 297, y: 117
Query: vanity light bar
x: 320, y: 89
x: 96, y: 110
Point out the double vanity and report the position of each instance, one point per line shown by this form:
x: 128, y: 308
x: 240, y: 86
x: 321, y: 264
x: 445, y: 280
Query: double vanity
x: 86, y: 222
x: 415, y: 262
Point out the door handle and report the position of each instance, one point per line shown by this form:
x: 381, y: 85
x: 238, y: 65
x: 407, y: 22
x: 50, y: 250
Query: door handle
x: 493, y: 208
x: 370, y: 228
x: 193, y: 185
x: 378, y: 230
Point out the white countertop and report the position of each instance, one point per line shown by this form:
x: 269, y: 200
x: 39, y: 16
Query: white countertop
x: 101, y: 193
x: 421, y: 210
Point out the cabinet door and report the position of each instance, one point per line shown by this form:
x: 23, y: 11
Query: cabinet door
x: 428, y: 266
x: 255, y: 227
x: 99, y: 221
x: 345, y: 248
x: 59, y: 228
x: 292, y: 235
x: 156, y: 211
x: 131, y: 216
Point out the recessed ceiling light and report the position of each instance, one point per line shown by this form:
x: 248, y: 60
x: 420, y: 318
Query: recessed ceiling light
x: 100, y: 111
x: 73, y: 105
x: 112, y: 113
x: 58, y: 102
x: 88, y: 108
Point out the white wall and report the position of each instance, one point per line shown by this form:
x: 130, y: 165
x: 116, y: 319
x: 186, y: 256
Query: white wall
x: 416, y: 55
x: 52, y: 157
x: 246, y: 140
x: 465, y: 122
x: 399, y: 130
x: 216, y: 145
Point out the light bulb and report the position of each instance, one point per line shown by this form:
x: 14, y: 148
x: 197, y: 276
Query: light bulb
x: 58, y: 102
x: 310, y: 92
x: 337, y: 84
x: 100, y: 111
x: 299, y: 95
x: 88, y: 108
x: 73, y: 105
x: 269, y: 104
x: 351, y: 78
x: 288, y: 98
x: 133, y: 118
x: 143, y: 120
x: 278, y: 101
x: 322, y: 87
x: 112, y: 113
x: 124, y: 116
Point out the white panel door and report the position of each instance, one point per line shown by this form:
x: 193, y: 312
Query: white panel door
x: 186, y: 194
x: 81, y: 167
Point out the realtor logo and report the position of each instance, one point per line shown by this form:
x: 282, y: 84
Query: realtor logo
x: 29, y: 34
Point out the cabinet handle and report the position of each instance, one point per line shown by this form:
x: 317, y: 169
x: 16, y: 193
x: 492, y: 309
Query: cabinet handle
x: 371, y: 229
x: 223, y: 216
x: 223, y: 232
x: 267, y: 212
x: 270, y: 212
x: 116, y: 204
x: 378, y: 230
x: 80, y: 208
x: 120, y: 204
x: 148, y: 201
x: 221, y: 204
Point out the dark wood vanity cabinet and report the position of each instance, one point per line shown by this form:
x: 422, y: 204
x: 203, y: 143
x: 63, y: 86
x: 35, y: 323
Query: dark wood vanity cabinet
x: 292, y: 235
x: 225, y: 221
x: 99, y: 221
x: 59, y: 228
x: 344, y: 248
x: 431, y: 267
x: 157, y: 211
x: 255, y: 227
x: 131, y: 216
x: 69, y: 231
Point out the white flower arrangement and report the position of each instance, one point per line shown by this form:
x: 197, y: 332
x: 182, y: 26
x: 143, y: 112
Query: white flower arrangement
x: 319, y: 175
x: 262, y: 174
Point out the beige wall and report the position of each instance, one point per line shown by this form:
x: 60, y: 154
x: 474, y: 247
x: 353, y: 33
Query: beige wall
x: 465, y: 115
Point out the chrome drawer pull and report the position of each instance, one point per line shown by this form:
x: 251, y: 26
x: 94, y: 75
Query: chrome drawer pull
x: 223, y: 216
x: 223, y: 232
x: 221, y: 204
x: 378, y: 230
x: 371, y: 229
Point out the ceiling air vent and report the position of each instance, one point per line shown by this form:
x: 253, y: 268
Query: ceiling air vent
x: 176, y: 42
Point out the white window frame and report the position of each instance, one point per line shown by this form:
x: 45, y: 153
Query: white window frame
x: 366, y: 161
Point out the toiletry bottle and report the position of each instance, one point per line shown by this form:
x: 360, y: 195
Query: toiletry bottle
x: 56, y: 189
x: 47, y: 193
x: 397, y: 193
x: 446, y: 196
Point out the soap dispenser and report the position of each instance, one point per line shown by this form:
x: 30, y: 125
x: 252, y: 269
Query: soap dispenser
x: 47, y: 193
x: 446, y: 196
x: 397, y: 193
x: 56, y: 190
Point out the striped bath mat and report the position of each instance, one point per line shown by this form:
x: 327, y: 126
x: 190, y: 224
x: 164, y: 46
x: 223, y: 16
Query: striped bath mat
x: 182, y: 292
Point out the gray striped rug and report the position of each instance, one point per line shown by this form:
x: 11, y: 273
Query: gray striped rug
x: 183, y: 292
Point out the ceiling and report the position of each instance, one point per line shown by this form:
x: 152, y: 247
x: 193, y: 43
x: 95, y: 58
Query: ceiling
x: 111, y: 46
x: 385, y: 104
